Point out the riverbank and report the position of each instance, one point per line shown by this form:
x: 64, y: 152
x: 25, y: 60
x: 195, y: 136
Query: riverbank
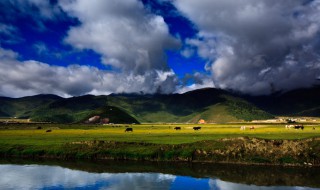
x: 241, y: 150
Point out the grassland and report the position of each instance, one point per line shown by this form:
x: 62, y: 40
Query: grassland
x: 150, y: 133
x: 147, y: 141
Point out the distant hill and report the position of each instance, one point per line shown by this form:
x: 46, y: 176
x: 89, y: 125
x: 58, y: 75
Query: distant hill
x: 79, y: 109
x: 212, y: 105
x: 300, y: 102
x: 24, y: 107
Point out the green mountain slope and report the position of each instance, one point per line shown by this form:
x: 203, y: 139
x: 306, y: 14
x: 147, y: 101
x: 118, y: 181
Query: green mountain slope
x: 212, y: 105
x: 217, y: 113
x: 24, y: 107
x: 79, y: 109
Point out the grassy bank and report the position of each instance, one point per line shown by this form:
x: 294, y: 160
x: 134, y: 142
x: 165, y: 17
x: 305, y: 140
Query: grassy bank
x: 271, y: 144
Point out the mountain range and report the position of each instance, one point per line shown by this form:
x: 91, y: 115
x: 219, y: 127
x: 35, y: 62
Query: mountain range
x: 210, y: 104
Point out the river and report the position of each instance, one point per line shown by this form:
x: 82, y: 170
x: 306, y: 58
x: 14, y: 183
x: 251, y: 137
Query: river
x: 116, y: 175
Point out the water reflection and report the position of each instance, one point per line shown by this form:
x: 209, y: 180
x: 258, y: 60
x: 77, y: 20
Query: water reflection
x: 53, y: 177
x: 124, y: 176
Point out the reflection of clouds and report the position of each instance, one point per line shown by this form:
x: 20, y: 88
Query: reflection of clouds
x: 216, y: 184
x: 141, y: 181
x: 36, y: 177
x: 39, y: 177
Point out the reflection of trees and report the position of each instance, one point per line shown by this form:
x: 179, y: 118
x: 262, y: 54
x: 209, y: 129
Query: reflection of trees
x: 245, y: 174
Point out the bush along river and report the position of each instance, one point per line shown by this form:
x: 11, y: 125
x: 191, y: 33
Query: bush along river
x: 52, y: 174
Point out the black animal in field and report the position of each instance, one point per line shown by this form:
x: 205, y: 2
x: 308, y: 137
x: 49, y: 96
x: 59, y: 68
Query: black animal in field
x: 129, y: 129
x: 177, y: 128
x: 49, y: 130
x: 299, y: 127
x: 196, y: 128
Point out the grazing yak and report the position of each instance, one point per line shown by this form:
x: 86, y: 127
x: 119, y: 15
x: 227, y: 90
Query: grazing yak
x: 177, y: 128
x: 299, y: 127
x: 129, y: 129
x: 196, y: 128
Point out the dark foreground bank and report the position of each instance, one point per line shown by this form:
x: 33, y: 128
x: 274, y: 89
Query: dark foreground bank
x: 234, y: 150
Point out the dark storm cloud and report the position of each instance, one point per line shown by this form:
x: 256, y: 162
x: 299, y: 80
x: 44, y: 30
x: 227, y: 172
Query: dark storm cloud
x: 257, y: 46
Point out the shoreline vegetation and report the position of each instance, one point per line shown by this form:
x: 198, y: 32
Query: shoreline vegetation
x: 234, y: 151
x: 265, y: 145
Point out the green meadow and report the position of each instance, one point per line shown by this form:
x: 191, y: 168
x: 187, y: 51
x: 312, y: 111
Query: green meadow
x: 28, y: 134
x: 161, y: 142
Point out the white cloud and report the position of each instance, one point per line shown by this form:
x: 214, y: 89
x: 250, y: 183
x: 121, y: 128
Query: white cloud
x: 9, y: 34
x: 43, y: 9
x: 198, y: 81
x: 122, y: 31
x: 21, y: 78
x: 41, y: 48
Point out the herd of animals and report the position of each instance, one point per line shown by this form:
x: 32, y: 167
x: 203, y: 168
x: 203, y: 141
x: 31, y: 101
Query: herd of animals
x: 130, y: 129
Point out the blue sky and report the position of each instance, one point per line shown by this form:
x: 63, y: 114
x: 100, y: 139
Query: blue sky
x: 78, y: 47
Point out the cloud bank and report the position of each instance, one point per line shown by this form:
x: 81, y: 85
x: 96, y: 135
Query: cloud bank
x: 257, y: 46
x: 251, y: 46
x: 21, y: 78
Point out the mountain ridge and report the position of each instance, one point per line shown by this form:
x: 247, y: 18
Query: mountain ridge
x: 211, y: 104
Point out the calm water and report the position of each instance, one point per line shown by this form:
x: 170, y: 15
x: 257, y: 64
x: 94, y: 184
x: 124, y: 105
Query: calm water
x: 124, y: 175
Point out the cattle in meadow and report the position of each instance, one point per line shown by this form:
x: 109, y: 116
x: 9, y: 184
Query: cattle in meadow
x: 299, y: 127
x: 196, y: 128
x: 39, y: 127
x: 48, y: 131
x: 252, y: 127
x: 129, y: 129
x: 177, y: 128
